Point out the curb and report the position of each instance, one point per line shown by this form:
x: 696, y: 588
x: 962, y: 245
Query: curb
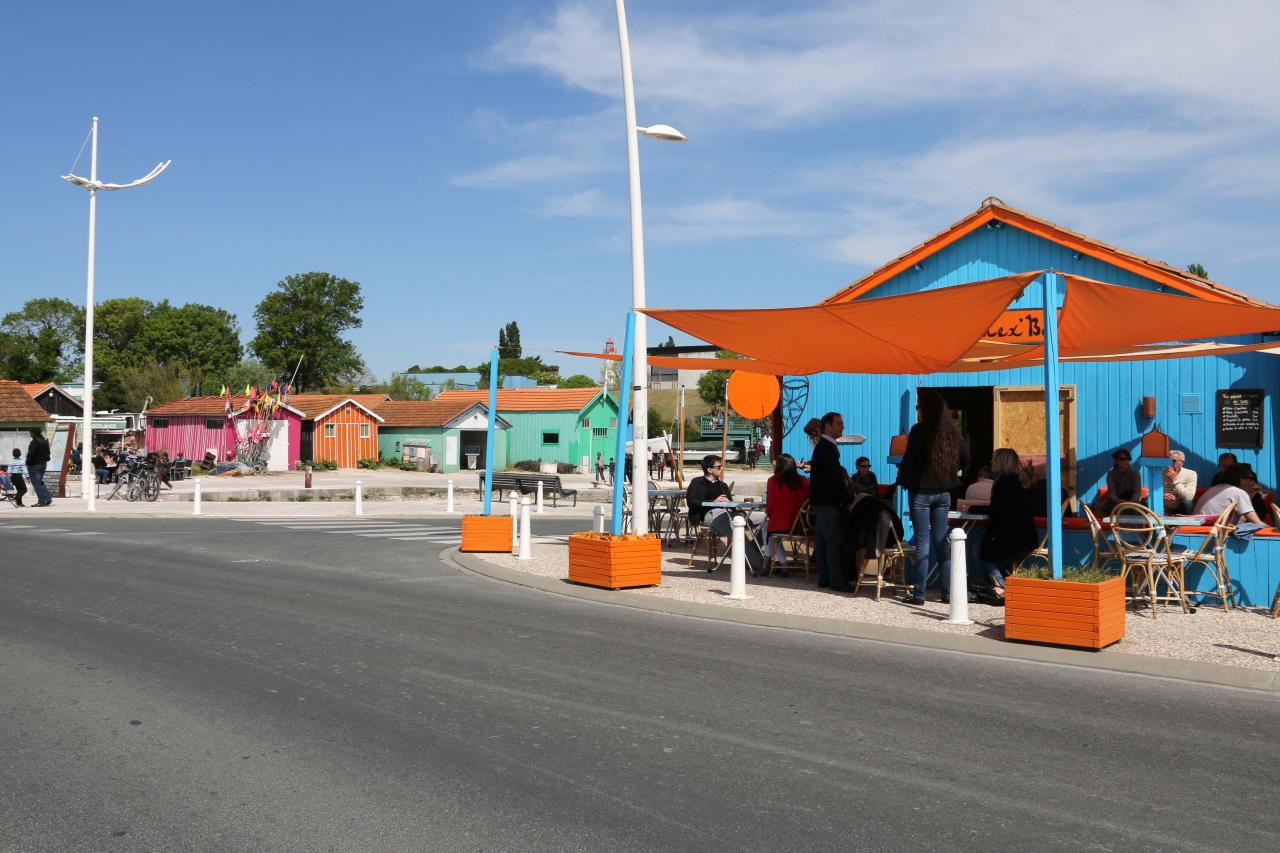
x: 1118, y: 662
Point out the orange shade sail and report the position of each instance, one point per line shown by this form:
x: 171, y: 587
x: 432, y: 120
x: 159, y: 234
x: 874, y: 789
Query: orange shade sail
x: 749, y: 365
x: 922, y: 332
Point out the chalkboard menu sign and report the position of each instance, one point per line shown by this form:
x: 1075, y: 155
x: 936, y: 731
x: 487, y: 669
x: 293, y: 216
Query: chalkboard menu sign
x: 1240, y: 417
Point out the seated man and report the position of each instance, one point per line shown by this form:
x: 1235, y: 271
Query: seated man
x: 1123, y: 484
x: 863, y: 482
x: 706, y: 491
x: 1225, y: 461
x: 1179, y: 485
x: 1232, y: 491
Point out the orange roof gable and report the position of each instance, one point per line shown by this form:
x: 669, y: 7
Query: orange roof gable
x: 312, y: 405
x: 993, y: 209
x: 529, y: 399
x: 17, y: 407
x: 421, y: 413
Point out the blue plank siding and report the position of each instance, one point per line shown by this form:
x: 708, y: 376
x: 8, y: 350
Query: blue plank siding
x: 1108, y: 395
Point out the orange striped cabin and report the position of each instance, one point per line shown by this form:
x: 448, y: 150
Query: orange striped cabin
x: 342, y: 428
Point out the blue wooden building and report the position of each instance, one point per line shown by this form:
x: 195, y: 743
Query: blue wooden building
x: 1101, y: 405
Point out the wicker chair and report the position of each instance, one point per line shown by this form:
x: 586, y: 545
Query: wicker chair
x: 891, y: 567
x: 1105, y: 550
x: 801, y: 541
x: 1148, y: 558
x: 1212, y: 555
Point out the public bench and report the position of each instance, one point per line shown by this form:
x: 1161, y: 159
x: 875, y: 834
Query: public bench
x: 527, y: 483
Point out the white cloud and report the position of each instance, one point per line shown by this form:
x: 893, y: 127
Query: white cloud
x: 551, y: 149
x: 727, y: 218
x: 586, y: 204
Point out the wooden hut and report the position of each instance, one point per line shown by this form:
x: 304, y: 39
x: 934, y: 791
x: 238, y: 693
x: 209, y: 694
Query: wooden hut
x: 18, y: 414
x: 194, y: 426
x: 438, y: 431
x: 339, y: 428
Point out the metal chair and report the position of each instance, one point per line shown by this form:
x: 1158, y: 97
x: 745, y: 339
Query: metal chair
x: 1148, y: 559
x: 800, y: 538
x: 1212, y: 555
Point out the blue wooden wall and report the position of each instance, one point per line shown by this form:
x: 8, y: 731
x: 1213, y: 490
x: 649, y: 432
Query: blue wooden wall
x: 1108, y: 396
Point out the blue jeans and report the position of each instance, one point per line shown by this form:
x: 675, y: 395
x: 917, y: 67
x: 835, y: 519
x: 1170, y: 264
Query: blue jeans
x: 826, y: 542
x: 929, y: 518
x: 35, y: 473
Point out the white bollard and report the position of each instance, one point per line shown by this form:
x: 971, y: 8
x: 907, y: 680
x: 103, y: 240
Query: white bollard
x: 539, y: 497
x: 738, y: 560
x: 959, y: 580
x: 195, y: 506
x: 359, y: 499
x: 449, y: 505
x: 597, y: 519
x: 514, y: 503
x: 526, y: 545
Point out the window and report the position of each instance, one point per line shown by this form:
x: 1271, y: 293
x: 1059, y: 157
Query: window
x: 365, y: 431
x: 159, y: 423
x: 330, y: 430
x: 551, y: 438
x: 585, y: 423
x: 599, y: 432
x: 213, y: 424
x: 613, y: 423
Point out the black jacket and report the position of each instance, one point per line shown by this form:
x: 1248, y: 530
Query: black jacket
x: 701, y: 494
x: 38, y: 452
x: 826, y: 476
x: 915, y: 474
x: 1012, y: 531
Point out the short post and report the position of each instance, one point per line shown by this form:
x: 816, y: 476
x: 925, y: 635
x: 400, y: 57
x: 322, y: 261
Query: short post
x: 514, y: 503
x: 526, y: 546
x: 359, y: 499
x: 597, y: 519
x: 449, y: 506
x: 195, y: 506
x: 959, y: 591
x: 738, y: 560
x: 306, y: 477
x: 540, y: 510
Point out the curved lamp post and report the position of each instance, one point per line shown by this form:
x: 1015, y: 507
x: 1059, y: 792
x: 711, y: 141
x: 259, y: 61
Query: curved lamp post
x: 92, y: 184
x: 640, y: 364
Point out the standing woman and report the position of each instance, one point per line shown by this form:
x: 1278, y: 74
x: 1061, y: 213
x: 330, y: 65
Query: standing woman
x: 930, y: 469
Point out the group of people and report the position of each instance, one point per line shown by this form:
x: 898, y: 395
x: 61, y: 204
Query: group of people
x: 1233, y: 484
x: 16, y: 473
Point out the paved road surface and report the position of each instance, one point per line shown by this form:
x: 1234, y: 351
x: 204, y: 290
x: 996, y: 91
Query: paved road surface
x: 209, y: 684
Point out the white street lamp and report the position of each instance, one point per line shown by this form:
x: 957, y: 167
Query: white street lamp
x: 640, y: 345
x: 92, y: 184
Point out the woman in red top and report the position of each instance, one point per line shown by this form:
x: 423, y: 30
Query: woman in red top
x: 785, y: 493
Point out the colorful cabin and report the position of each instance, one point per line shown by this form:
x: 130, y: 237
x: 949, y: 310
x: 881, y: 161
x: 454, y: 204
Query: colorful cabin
x: 18, y: 414
x: 339, y: 428
x: 194, y: 426
x: 440, y: 435
x: 55, y: 399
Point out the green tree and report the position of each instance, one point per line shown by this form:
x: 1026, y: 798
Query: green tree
x: 402, y: 387
x: 117, y: 323
x: 544, y: 374
x: 1198, y: 269
x: 43, y: 342
x: 577, y: 380
x: 129, y: 387
x: 199, y: 340
x: 509, y: 341
x: 712, y: 384
x: 247, y: 372
x: 669, y: 343
x: 306, y: 316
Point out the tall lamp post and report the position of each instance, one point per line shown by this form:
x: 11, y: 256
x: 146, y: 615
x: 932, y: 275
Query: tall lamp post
x: 92, y: 184
x: 640, y: 353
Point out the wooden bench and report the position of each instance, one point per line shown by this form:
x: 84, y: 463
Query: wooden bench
x: 526, y: 483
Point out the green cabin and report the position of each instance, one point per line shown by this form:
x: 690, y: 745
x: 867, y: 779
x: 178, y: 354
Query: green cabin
x: 441, y: 435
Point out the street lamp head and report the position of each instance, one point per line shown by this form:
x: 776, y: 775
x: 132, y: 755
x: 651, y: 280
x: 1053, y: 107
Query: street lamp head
x: 663, y: 131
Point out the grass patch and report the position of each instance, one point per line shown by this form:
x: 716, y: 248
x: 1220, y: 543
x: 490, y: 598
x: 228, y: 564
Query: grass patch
x: 1074, y: 574
x: 302, y: 498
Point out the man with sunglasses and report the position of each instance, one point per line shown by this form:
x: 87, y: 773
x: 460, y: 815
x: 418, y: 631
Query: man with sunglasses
x: 706, y: 491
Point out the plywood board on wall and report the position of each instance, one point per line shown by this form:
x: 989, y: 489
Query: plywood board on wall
x: 1019, y: 423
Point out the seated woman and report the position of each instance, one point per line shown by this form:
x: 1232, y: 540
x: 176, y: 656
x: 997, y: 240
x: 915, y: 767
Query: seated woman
x: 979, y: 490
x: 1232, y: 490
x: 1123, y: 484
x: 864, y: 481
x: 1011, y: 534
x: 785, y: 493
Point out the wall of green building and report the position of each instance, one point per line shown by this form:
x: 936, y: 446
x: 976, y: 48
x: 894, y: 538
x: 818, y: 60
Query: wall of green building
x: 573, y: 431
x: 436, y: 437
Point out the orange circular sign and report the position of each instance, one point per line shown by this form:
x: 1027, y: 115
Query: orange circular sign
x: 753, y: 395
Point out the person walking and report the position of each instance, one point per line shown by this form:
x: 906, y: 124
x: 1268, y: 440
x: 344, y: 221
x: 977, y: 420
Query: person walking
x: 18, y: 473
x: 37, y: 460
x: 929, y: 471
x: 599, y: 469
x: 827, y: 479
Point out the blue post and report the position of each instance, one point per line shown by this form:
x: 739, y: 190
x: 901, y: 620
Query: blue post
x: 624, y: 405
x: 488, y: 435
x: 1052, y: 426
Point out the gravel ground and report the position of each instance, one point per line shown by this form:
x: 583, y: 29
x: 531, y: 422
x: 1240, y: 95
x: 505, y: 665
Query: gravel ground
x: 1244, y: 638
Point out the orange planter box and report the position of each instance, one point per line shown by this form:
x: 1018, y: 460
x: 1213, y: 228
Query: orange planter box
x: 599, y: 559
x: 1064, y: 613
x: 486, y: 533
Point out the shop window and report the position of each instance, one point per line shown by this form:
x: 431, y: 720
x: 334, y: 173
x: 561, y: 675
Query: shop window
x: 330, y: 430
x: 159, y: 423
x: 551, y: 438
x: 213, y: 424
x: 365, y: 431
x: 600, y: 432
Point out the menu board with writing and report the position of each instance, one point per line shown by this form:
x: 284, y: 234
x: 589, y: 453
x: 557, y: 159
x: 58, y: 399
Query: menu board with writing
x: 1240, y: 417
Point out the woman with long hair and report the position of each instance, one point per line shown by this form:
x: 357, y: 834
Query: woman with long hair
x: 930, y: 469
x: 1011, y: 533
x: 784, y: 495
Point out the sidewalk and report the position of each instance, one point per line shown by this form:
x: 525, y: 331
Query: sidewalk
x: 1237, y: 648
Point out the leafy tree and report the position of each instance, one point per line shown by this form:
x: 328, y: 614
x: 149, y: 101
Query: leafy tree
x: 403, y: 387
x: 509, y: 341
x: 669, y: 343
x: 306, y: 316
x: 248, y: 372
x: 117, y: 323
x: 657, y: 423
x: 43, y: 342
x: 198, y: 339
x: 712, y: 384
x: 415, y: 369
x: 544, y: 374
x: 129, y: 387
x: 577, y: 380
x: 1198, y: 269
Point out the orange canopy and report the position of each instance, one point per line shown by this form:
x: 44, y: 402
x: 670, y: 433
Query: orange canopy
x: 922, y: 332
x: 747, y: 365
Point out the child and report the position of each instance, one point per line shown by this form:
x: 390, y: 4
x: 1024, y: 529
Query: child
x: 17, y: 473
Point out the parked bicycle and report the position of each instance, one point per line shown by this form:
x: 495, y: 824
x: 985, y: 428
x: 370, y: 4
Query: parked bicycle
x: 139, y: 480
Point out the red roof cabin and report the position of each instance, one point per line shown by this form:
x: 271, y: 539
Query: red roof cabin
x: 197, y: 425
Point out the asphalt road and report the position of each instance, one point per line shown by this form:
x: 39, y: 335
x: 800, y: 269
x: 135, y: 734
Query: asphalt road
x: 206, y: 684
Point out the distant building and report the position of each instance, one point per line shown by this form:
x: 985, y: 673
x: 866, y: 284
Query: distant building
x: 466, y: 380
x: 447, y: 435
x: 552, y: 424
x: 55, y: 399
x: 662, y: 378
x: 194, y: 426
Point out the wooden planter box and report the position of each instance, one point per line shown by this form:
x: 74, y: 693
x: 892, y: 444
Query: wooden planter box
x: 486, y: 533
x: 1064, y: 613
x: 599, y: 559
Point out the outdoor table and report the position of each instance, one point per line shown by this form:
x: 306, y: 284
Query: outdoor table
x: 1175, y: 520
x: 966, y: 520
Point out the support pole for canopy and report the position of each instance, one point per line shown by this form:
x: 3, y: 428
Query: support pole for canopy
x: 620, y: 451
x: 1052, y: 422
x: 488, y: 435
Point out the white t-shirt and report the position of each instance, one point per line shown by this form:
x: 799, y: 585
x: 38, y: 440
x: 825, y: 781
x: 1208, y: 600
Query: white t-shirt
x: 1218, y: 498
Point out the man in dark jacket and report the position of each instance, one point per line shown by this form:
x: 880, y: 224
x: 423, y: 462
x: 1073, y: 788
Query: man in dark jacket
x: 827, y: 490
x: 37, y: 459
x: 705, y: 491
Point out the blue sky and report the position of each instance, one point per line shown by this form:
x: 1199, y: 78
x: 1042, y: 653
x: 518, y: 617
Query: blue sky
x: 465, y: 162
